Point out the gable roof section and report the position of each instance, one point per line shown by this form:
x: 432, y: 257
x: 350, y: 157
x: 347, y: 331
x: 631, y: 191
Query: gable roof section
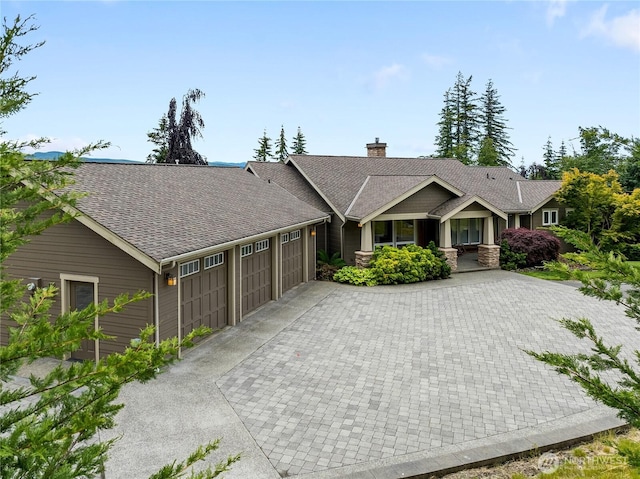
x: 168, y: 211
x: 288, y: 178
x: 339, y: 178
x: 450, y: 208
x: 379, y: 193
x: 534, y: 194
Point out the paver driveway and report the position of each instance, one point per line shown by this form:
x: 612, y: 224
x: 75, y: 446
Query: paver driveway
x: 335, y: 380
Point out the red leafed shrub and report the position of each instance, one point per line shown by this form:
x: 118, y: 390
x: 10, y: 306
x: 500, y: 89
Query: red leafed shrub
x: 538, y: 245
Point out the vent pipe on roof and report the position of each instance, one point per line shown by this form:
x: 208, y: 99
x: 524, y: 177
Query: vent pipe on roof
x: 377, y: 149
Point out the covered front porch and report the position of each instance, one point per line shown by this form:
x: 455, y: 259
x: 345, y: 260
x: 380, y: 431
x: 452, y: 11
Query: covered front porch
x: 468, y: 229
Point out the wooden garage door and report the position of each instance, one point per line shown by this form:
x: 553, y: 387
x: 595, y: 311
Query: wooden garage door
x: 291, y: 261
x: 256, y: 275
x: 204, y: 295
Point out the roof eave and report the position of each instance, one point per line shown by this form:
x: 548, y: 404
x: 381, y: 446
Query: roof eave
x: 474, y: 199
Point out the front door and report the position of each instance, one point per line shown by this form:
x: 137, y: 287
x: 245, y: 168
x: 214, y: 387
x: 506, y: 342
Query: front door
x: 81, y: 295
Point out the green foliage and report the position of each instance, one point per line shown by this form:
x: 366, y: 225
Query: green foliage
x: 410, y: 264
x: 326, y: 266
x: 299, y: 145
x: 50, y: 427
x: 510, y: 260
x: 281, y: 147
x: 263, y: 152
x: 487, y: 156
x: 355, y: 276
x: 586, y: 369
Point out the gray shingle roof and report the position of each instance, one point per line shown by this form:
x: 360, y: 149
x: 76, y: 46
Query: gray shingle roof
x: 341, y: 177
x: 378, y: 191
x: 286, y: 176
x: 168, y: 210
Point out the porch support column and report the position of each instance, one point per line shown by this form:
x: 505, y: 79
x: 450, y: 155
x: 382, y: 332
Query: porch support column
x: 445, y: 245
x: 488, y: 251
x: 366, y: 245
x: 516, y: 220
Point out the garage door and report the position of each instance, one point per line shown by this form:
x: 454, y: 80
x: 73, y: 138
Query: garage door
x: 204, y: 293
x: 291, y: 260
x: 256, y: 275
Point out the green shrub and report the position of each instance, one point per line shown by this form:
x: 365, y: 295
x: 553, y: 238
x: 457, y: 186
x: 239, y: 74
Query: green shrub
x: 410, y: 264
x: 326, y: 266
x: 355, y: 276
x: 509, y: 259
x: 445, y: 268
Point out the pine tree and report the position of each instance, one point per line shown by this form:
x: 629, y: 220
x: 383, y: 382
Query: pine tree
x: 444, y: 140
x: 299, y: 144
x: 552, y: 169
x: 263, y: 152
x: 493, y: 124
x: 281, y: 147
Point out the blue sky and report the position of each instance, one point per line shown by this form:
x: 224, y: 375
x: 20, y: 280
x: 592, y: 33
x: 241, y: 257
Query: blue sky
x: 345, y: 72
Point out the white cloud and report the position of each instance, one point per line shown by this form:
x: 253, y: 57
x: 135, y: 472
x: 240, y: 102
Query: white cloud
x: 385, y: 75
x: 623, y: 31
x: 436, y: 61
x: 555, y: 9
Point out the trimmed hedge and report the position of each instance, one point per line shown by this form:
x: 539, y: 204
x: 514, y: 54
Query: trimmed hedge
x: 538, y: 245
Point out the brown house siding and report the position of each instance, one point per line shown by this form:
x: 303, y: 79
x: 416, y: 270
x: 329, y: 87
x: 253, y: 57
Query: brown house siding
x: 334, y: 236
x: 422, y: 201
x: 74, y: 249
x: 168, y: 306
x: 351, y: 242
x: 551, y: 204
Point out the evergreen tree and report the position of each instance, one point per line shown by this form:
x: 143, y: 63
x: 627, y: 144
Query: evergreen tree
x: 494, y: 126
x: 281, y: 147
x: 263, y: 152
x: 299, y: 144
x: 444, y: 140
x: 551, y: 166
x: 50, y: 426
x: 173, y: 137
x: 488, y: 156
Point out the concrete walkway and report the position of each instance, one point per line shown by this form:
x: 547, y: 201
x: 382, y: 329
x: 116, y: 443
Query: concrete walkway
x: 338, y: 381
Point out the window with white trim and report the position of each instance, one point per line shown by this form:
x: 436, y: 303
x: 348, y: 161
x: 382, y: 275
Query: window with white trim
x: 295, y: 235
x: 192, y: 267
x: 262, y: 245
x: 284, y: 238
x: 550, y: 217
x: 394, y: 233
x: 213, y: 260
x: 246, y: 250
x: 568, y: 211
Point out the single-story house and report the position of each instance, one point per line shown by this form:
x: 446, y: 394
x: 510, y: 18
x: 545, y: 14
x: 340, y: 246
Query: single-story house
x: 210, y: 243
x: 377, y: 200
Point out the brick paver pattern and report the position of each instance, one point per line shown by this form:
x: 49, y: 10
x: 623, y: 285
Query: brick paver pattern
x: 379, y: 372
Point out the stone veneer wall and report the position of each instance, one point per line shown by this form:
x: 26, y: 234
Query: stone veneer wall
x: 452, y: 257
x: 363, y: 258
x: 489, y: 255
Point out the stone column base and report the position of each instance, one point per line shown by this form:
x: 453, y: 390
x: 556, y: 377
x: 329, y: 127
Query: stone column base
x: 363, y: 258
x: 489, y: 256
x: 452, y: 257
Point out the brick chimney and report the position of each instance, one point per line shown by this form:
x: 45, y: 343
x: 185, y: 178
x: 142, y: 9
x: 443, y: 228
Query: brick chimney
x: 377, y: 149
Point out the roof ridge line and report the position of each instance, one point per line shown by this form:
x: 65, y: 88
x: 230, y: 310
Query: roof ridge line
x: 357, y: 195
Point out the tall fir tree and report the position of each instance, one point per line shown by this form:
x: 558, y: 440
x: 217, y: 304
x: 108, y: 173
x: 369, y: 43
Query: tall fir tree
x: 444, y: 140
x: 263, y: 152
x: 282, y: 151
x: 299, y: 145
x: 552, y: 169
x: 494, y: 126
x: 488, y: 155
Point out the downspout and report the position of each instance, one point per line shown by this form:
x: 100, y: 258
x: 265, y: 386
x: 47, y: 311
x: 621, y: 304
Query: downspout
x: 179, y: 315
x: 156, y: 307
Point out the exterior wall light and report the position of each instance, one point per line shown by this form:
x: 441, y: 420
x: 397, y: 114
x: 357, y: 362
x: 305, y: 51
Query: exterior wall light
x: 171, y: 279
x: 313, y: 232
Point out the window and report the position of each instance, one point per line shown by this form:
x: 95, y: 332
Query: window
x: 213, y: 260
x: 568, y: 211
x: 246, y: 250
x: 549, y: 217
x: 191, y: 267
x: 295, y: 235
x: 262, y: 245
x: 466, y: 231
x: 284, y: 238
x: 394, y: 233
